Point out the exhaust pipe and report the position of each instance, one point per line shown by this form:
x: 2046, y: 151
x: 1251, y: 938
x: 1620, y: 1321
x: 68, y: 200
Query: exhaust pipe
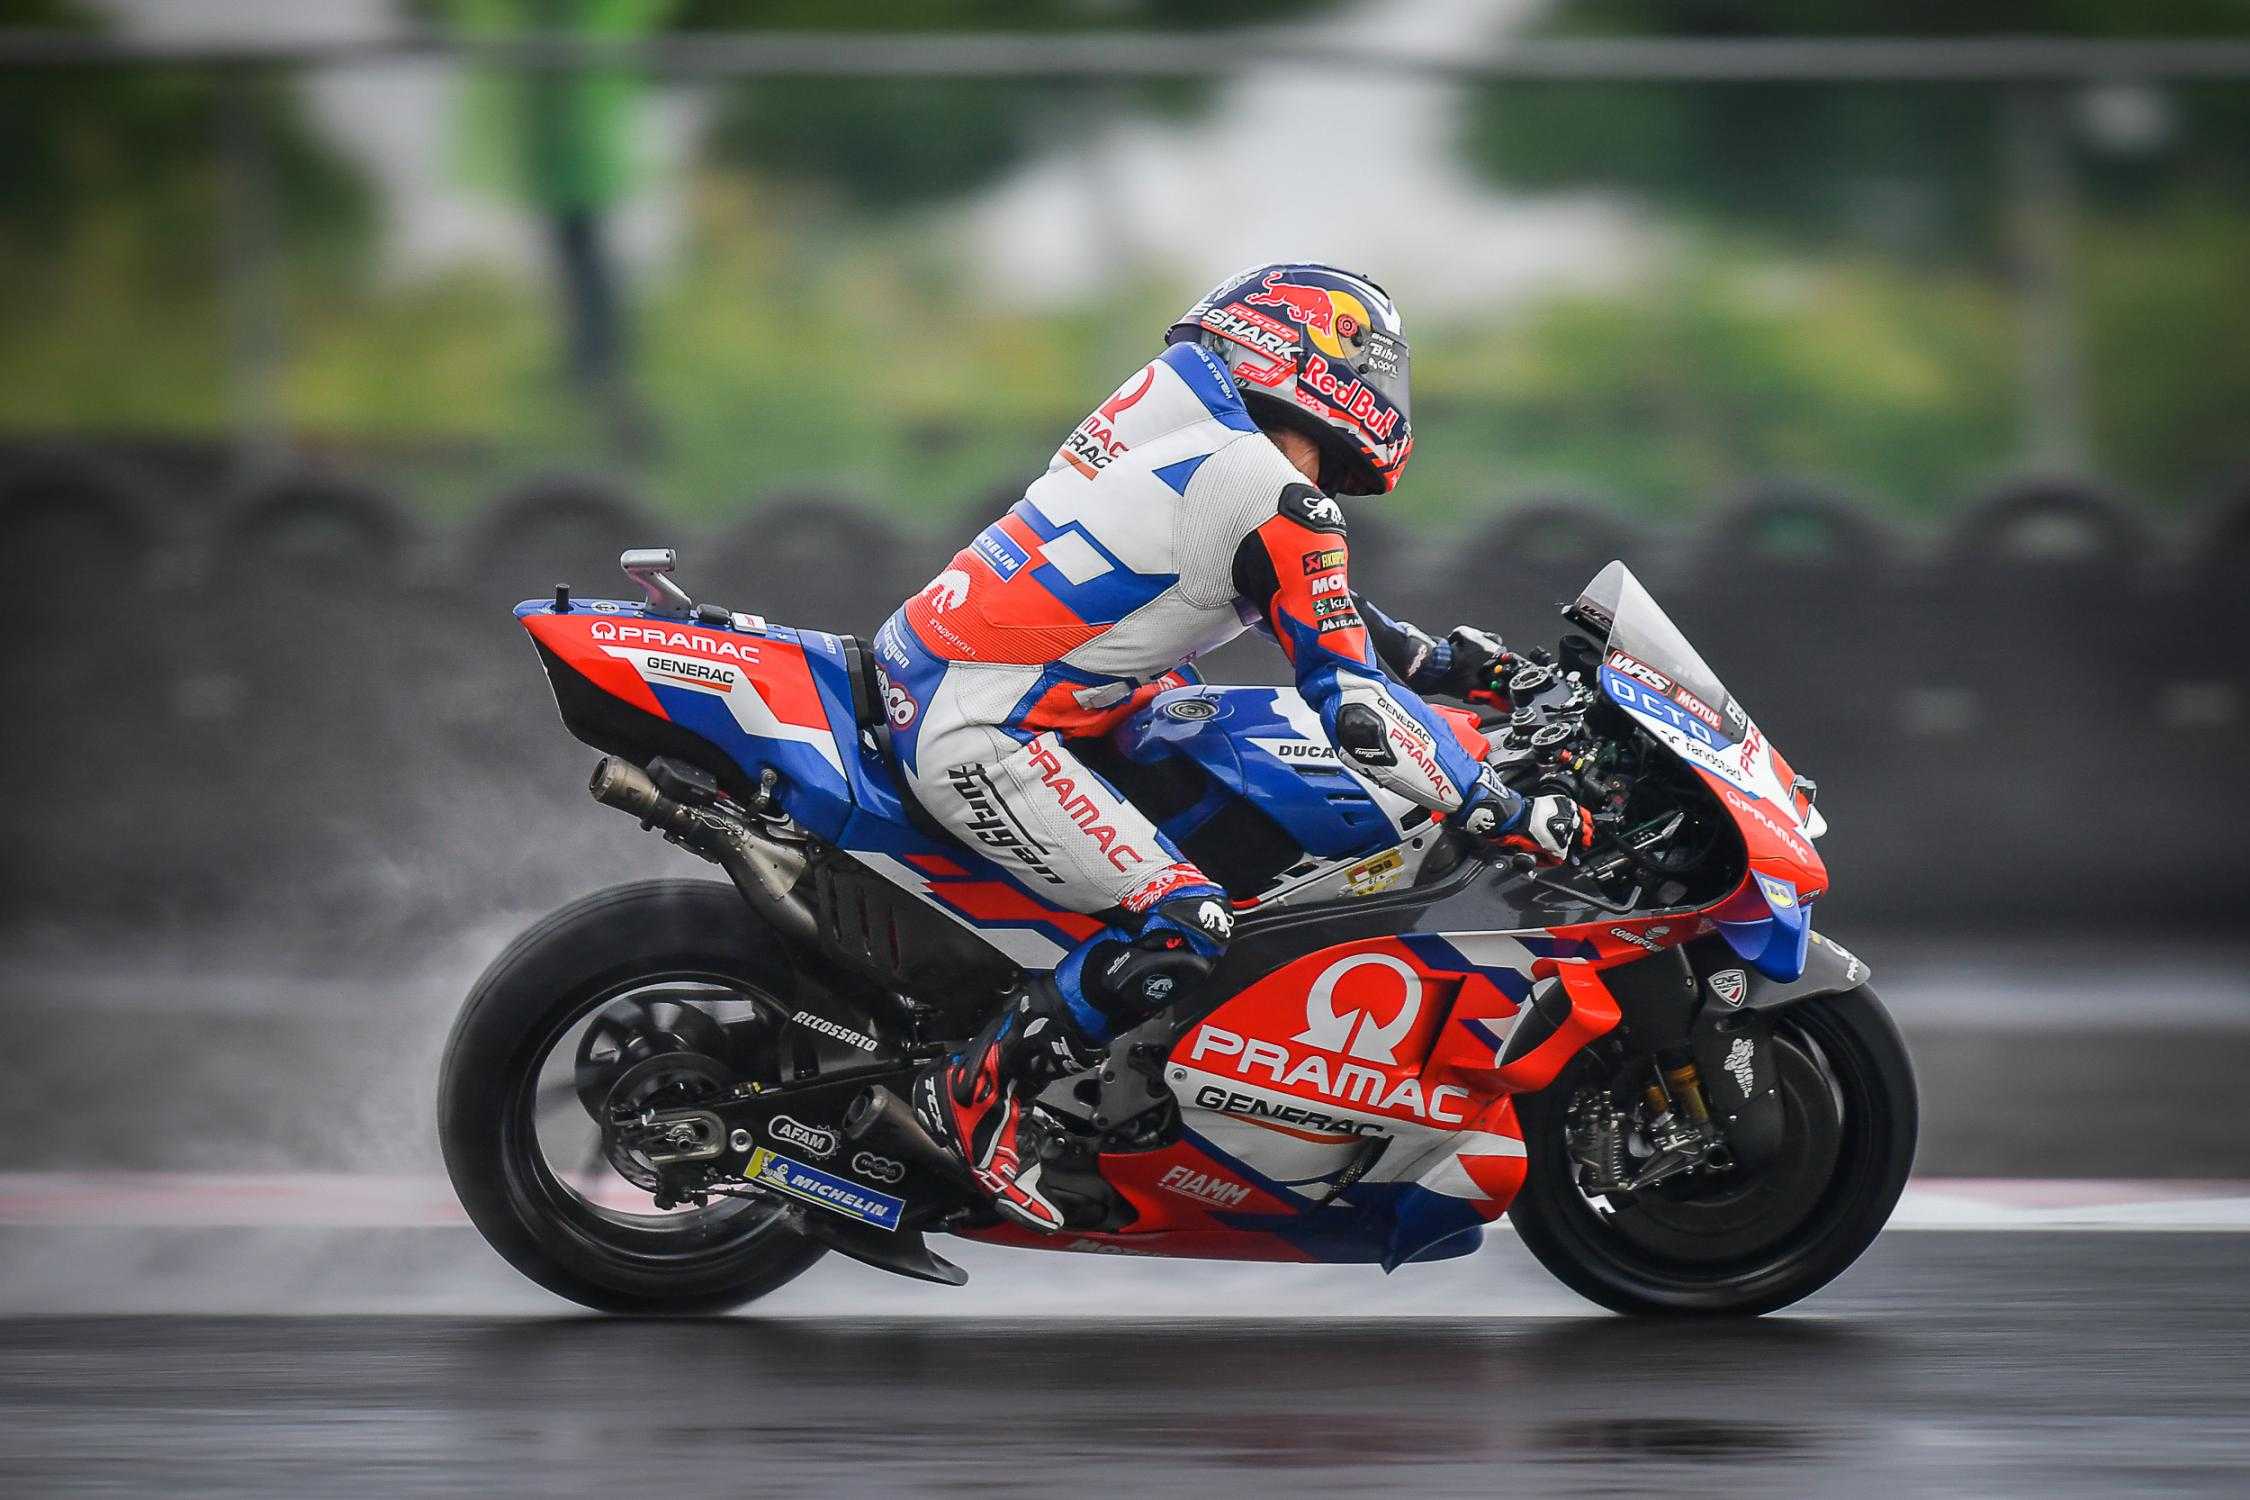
x: 621, y: 784
x: 879, y: 1118
x: 764, y: 869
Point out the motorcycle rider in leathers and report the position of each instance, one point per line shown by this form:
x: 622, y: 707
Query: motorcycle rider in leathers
x: 1193, y: 503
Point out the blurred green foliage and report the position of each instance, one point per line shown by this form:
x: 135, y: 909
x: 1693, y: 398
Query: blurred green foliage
x: 562, y: 140
x: 116, y: 216
x: 898, y: 144
x: 1829, y: 294
x: 1914, y: 170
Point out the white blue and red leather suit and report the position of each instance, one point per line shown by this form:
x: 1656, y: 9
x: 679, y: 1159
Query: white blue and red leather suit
x: 1165, y: 525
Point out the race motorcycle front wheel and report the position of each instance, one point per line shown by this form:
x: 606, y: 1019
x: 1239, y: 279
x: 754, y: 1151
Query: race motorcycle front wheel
x: 649, y: 995
x: 1738, y: 1242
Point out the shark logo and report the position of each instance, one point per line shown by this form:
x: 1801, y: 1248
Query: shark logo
x: 1357, y: 1032
x: 947, y: 590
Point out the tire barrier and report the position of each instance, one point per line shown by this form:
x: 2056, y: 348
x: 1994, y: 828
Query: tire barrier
x: 812, y: 559
x: 2223, y: 548
x: 84, y: 674
x: 2049, y: 522
x: 1794, y: 527
x: 334, y: 723
x: 73, y: 515
x: 1540, y: 552
x: 558, y: 528
x: 2052, y: 642
x: 316, y: 530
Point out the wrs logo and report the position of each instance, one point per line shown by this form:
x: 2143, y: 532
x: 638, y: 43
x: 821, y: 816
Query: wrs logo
x: 1359, y: 1033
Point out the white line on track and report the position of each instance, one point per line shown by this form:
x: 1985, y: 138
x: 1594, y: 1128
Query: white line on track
x: 173, y: 1200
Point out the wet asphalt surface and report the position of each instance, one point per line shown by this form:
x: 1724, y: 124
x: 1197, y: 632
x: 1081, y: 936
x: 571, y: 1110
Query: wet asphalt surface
x: 1944, y: 1364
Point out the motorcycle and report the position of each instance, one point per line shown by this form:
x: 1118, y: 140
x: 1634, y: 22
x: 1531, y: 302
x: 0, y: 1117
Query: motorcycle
x: 676, y: 1095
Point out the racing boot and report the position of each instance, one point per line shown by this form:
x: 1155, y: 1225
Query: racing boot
x: 972, y: 1102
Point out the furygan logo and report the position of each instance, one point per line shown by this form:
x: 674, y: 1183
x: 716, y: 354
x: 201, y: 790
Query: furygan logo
x: 993, y: 824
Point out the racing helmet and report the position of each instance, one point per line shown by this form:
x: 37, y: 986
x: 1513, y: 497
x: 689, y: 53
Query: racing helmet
x: 1319, y: 350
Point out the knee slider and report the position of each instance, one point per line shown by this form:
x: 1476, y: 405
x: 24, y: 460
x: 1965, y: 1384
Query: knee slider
x: 1137, y: 979
x: 1177, y: 948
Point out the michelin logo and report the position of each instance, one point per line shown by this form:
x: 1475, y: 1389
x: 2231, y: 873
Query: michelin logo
x: 772, y: 1170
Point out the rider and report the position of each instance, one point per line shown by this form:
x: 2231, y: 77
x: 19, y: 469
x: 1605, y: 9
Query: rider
x: 1192, y: 503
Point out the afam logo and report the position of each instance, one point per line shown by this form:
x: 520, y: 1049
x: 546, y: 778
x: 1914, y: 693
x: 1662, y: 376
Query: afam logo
x: 814, y: 1140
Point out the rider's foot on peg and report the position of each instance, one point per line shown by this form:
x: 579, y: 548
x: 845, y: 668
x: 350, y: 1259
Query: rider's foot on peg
x: 973, y: 1102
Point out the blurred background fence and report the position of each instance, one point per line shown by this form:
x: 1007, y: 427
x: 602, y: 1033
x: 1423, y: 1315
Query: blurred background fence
x: 1912, y: 374
x: 301, y: 706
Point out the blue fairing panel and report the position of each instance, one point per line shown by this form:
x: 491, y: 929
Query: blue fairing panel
x: 1266, y: 746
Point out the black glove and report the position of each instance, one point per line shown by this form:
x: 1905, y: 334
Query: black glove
x: 1467, y: 658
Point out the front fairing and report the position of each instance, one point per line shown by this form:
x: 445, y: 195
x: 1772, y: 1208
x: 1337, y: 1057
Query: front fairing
x: 1651, y: 672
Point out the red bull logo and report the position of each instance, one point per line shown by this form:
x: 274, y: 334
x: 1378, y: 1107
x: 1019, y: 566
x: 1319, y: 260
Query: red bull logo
x: 1310, y: 305
x: 1350, y: 397
x: 1335, y: 322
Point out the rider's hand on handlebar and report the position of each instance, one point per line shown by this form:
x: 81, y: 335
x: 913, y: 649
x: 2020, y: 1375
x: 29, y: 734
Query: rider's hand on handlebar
x: 1546, y: 828
x: 1552, y: 827
x: 1472, y: 655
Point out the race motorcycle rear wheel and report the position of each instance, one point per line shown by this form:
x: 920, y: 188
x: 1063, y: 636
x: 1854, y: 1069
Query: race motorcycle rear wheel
x: 657, y: 993
x: 1737, y: 1243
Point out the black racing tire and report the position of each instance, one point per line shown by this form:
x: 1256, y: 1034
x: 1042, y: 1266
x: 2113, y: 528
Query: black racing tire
x: 555, y: 973
x: 1814, y: 1236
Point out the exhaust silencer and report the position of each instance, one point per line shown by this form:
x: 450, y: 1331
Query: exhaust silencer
x: 621, y: 784
x: 764, y: 869
x: 879, y: 1118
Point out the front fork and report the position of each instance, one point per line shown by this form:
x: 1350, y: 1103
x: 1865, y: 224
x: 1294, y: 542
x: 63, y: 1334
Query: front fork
x: 1656, y: 1117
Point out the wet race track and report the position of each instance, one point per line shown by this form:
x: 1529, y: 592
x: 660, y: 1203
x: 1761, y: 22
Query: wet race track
x: 251, y: 1279
x: 1960, y: 1362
